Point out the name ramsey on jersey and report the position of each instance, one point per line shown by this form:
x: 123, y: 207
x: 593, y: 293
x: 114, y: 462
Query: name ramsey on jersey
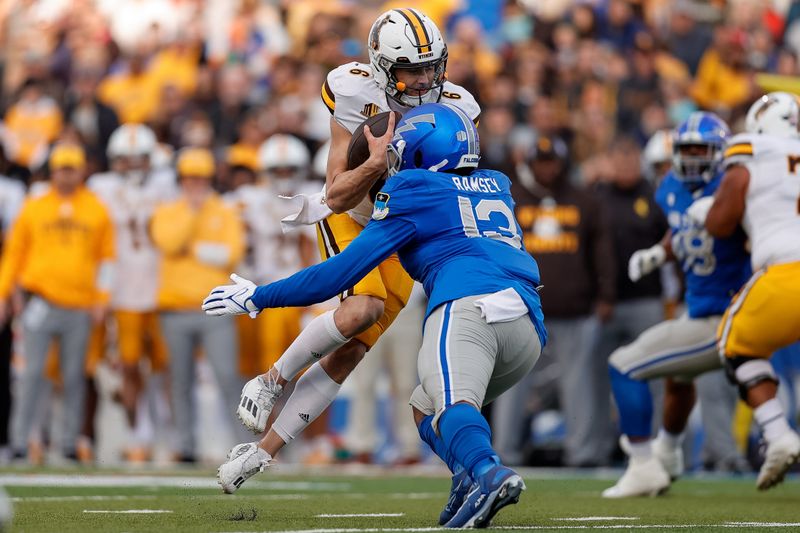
x: 352, y: 95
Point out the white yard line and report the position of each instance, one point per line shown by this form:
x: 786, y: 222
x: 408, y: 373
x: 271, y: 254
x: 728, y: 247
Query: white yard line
x: 192, y: 482
x: 38, y: 499
x: 127, y: 511
x: 416, y: 495
x: 726, y: 525
x: 595, y: 518
x: 100, y: 498
x: 359, y: 515
x: 762, y: 524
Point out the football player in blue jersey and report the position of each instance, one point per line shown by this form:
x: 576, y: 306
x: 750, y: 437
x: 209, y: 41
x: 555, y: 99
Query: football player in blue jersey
x: 454, y: 229
x: 680, y: 349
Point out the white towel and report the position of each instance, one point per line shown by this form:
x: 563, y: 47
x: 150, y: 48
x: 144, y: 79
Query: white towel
x: 308, y: 210
x: 502, y: 306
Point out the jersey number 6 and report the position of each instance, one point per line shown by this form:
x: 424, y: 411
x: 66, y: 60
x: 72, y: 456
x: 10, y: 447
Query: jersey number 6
x: 483, y: 213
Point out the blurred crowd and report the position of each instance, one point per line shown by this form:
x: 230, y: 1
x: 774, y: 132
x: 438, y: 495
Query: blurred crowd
x: 187, y: 118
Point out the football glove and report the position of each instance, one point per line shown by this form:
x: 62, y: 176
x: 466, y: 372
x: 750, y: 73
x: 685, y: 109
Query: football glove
x: 642, y: 262
x: 234, y: 299
x: 698, y: 211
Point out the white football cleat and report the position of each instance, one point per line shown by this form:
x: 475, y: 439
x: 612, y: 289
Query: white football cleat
x: 643, y: 477
x: 671, y: 458
x: 244, y: 461
x: 781, y: 455
x: 258, y: 399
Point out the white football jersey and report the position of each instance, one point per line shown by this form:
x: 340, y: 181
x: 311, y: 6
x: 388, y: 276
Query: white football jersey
x: 772, y: 208
x: 131, y: 205
x: 352, y: 95
x: 271, y: 254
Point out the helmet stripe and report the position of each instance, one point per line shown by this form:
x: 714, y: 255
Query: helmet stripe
x: 420, y: 33
x: 469, y: 127
x: 415, y: 15
x: 694, y: 122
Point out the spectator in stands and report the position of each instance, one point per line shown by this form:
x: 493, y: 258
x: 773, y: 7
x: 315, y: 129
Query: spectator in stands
x: 641, y: 88
x: 32, y: 123
x: 687, y: 39
x: 230, y: 105
x: 134, y: 91
x: 83, y: 110
x: 724, y: 82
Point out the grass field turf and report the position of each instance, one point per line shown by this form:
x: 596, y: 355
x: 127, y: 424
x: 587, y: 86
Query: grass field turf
x: 299, y: 503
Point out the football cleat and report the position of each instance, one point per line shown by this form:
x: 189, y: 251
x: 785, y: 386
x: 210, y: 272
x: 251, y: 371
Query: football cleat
x: 244, y: 461
x: 495, y: 489
x: 258, y: 398
x: 671, y: 458
x: 458, y: 491
x: 781, y: 455
x: 643, y: 477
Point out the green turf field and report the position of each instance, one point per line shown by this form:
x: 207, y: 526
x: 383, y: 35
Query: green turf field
x: 190, y: 503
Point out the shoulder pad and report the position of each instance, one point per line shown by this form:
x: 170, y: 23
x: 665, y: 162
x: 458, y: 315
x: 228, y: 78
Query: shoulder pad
x: 351, y: 94
x: 458, y: 96
x: 738, y: 150
x: 349, y: 79
x: 346, y: 81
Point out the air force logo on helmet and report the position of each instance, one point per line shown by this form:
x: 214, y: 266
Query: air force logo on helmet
x: 435, y: 137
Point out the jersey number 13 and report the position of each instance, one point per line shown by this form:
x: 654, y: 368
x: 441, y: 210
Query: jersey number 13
x: 477, y: 221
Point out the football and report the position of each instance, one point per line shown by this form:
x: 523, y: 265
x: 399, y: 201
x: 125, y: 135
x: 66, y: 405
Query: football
x: 358, y: 149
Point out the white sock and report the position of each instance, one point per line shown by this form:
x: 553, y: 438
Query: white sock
x: 314, y: 391
x: 670, y: 439
x: 771, y: 420
x: 641, y: 450
x: 318, y: 339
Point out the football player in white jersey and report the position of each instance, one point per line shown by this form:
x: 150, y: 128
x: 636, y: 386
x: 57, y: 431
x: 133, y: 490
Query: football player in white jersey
x: 761, y: 191
x: 131, y: 190
x: 408, y: 59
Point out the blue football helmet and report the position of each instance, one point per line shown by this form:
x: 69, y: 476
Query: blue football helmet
x: 700, y: 130
x: 437, y: 137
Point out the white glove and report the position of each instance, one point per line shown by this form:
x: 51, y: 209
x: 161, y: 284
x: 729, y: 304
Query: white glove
x: 698, y: 211
x: 232, y: 299
x: 642, y: 262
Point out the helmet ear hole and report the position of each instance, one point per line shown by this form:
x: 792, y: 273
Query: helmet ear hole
x: 418, y: 158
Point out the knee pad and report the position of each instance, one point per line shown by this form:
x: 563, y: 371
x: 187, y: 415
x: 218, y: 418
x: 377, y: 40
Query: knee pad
x: 747, y: 372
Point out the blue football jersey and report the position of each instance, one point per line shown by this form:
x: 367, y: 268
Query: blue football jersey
x: 457, y: 235
x: 714, y: 269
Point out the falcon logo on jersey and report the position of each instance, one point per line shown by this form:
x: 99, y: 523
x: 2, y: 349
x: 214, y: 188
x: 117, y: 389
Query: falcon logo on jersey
x: 381, y: 208
x: 370, y: 110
